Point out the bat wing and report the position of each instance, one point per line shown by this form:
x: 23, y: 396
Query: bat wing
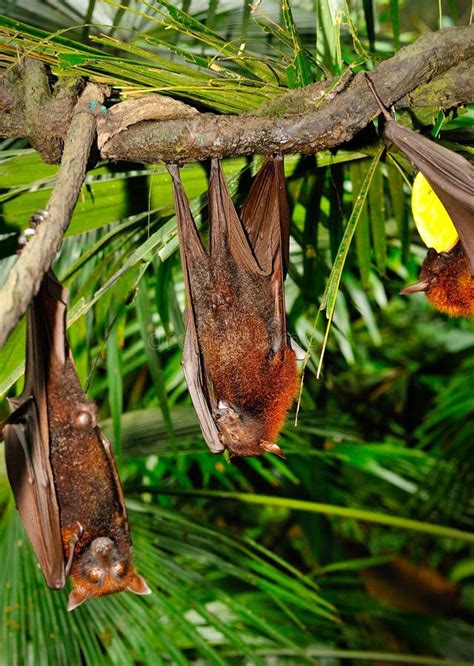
x: 450, y: 175
x: 198, y: 387
x: 265, y: 214
x: 260, y: 242
x: 192, y: 251
x: 113, y: 466
x: 257, y: 243
x: 266, y: 219
x: 34, y: 493
x: 26, y: 434
x: 227, y: 232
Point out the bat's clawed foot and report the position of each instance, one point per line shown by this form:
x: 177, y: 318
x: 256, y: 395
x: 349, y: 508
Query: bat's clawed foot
x: 23, y: 238
x: 39, y: 217
x: 35, y: 220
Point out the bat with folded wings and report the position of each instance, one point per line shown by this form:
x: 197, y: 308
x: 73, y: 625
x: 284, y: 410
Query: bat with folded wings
x: 239, y: 366
x: 61, y: 468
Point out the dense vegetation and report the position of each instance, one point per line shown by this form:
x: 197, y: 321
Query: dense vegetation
x: 357, y: 546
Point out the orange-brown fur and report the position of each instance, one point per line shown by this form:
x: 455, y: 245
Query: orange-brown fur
x: 234, y: 314
x: 85, y: 484
x: 451, y: 284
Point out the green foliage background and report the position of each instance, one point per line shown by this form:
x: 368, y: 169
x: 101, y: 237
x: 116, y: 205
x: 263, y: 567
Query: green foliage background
x: 262, y: 561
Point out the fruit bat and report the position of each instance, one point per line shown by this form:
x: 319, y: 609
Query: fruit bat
x: 240, y: 370
x: 60, y: 466
x: 446, y: 277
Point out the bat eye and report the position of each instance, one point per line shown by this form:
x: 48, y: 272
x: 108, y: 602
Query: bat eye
x: 84, y: 419
x: 119, y: 569
x: 94, y: 575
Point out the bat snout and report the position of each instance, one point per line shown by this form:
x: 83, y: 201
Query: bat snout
x: 423, y: 285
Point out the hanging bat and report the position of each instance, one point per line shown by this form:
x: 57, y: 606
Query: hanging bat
x: 61, y: 468
x: 240, y: 370
x: 446, y: 277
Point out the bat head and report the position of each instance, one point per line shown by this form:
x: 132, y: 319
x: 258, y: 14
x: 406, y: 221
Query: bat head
x: 102, y: 569
x: 446, y: 279
x: 241, y: 432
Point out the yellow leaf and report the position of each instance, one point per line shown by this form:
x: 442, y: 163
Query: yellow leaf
x: 431, y: 218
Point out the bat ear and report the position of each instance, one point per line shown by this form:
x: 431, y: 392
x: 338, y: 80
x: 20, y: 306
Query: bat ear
x: 138, y: 585
x: 271, y: 447
x: 76, y: 598
x: 413, y: 288
x: 299, y: 352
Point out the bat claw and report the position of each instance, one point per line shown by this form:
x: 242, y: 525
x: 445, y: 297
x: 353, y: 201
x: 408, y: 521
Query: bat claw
x: 38, y: 217
x: 72, y: 546
x: 35, y: 220
x: 24, y: 237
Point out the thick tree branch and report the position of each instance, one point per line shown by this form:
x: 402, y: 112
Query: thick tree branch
x: 36, y: 258
x: 317, y: 117
x: 433, y: 71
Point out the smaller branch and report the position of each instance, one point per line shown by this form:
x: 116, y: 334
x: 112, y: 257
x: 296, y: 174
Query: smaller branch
x: 24, y: 279
x: 449, y: 89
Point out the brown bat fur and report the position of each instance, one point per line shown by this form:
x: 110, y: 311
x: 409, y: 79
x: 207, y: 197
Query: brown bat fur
x: 447, y: 282
x: 234, y: 318
x: 87, y: 487
x: 61, y: 467
x: 447, y: 277
x: 240, y: 370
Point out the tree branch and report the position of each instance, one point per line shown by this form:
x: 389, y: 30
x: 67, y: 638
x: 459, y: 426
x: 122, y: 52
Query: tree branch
x: 433, y: 71
x: 31, y: 110
x: 313, y: 118
x: 25, y: 277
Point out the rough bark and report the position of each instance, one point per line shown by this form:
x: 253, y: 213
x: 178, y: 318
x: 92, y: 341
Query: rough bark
x: 37, y: 256
x: 31, y: 109
x: 433, y: 71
